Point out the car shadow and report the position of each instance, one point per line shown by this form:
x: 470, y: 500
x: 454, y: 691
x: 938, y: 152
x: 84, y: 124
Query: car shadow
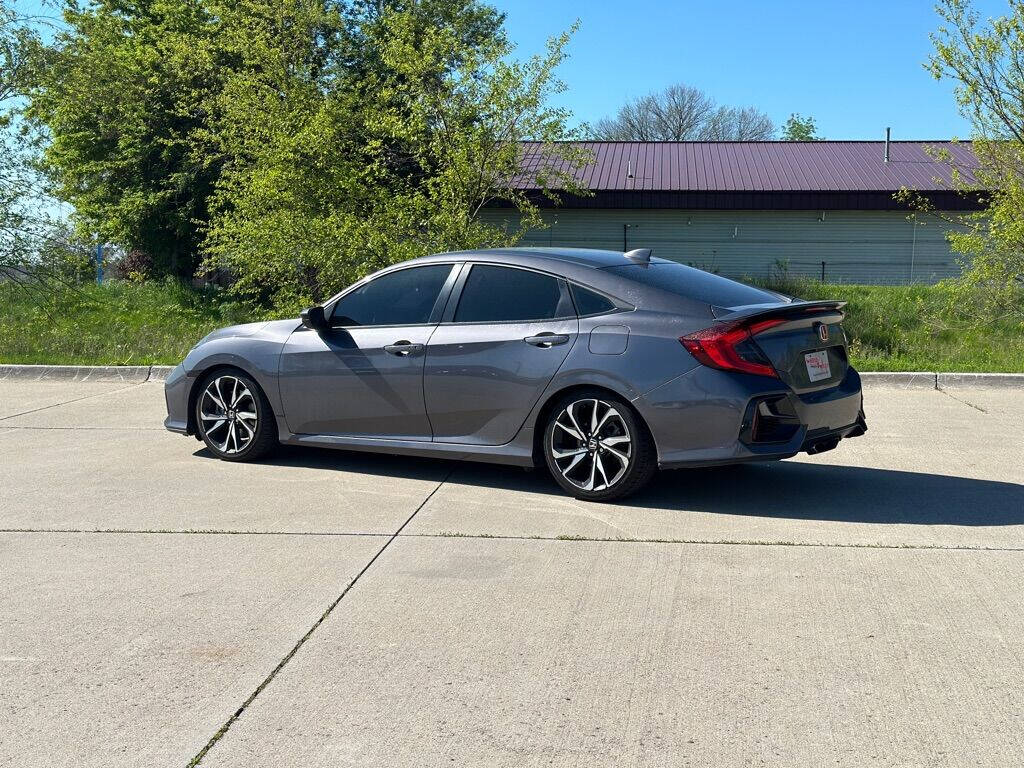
x: 788, y: 489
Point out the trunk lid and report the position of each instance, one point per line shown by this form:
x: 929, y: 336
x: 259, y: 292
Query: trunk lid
x: 806, y: 343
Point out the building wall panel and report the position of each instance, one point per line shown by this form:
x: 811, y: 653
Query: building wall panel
x: 880, y: 247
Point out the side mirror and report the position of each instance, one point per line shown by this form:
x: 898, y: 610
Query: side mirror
x: 314, y: 318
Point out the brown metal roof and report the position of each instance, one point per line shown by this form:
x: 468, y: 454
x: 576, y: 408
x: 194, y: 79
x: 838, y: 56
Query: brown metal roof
x: 766, y: 166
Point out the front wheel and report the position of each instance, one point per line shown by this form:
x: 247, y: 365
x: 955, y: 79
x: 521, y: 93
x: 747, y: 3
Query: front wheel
x: 234, y: 418
x: 596, y: 448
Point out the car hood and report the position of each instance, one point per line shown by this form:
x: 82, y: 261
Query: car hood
x: 263, y: 328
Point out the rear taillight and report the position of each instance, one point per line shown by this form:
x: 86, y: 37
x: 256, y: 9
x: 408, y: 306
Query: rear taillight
x: 730, y: 347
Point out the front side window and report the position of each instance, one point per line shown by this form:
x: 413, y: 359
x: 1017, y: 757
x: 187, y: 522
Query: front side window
x: 503, y: 294
x: 405, y: 297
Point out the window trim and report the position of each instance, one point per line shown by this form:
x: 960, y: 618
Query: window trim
x: 435, y: 311
x: 448, y: 318
x: 617, y: 304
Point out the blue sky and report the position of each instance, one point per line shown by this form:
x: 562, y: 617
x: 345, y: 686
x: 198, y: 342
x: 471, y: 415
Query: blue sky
x: 855, y: 65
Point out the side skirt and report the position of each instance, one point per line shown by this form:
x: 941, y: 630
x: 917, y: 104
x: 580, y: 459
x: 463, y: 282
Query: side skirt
x: 510, y: 453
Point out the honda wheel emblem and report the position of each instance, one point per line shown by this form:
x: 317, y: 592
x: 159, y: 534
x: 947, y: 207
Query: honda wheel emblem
x: 822, y: 331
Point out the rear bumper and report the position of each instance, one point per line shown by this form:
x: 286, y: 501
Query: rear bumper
x: 709, y: 417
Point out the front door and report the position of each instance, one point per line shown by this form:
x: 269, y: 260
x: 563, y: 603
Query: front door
x: 364, y: 375
x: 488, y: 365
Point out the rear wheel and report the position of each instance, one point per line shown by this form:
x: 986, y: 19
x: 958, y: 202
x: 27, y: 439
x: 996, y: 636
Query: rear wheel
x: 596, y: 448
x: 234, y: 418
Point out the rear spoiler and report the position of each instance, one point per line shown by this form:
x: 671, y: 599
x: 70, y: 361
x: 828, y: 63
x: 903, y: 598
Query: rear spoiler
x: 792, y: 311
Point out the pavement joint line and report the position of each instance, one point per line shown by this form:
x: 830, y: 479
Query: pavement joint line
x: 191, y: 532
x: 68, y: 402
x: 509, y: 537
x: 97, y: 429
x: 302, y: 640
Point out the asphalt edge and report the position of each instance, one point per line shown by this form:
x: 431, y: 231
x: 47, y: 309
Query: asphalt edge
x: 143, y: 373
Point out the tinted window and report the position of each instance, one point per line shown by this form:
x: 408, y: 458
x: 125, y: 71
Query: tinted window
x: 696, y: 284
x: 501, y: 294
x: 590, y: 303
x: 399, y: 298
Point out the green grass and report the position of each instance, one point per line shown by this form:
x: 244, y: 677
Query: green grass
x: 910, y: 328
x: 115, y: 324
x: 893, y: 328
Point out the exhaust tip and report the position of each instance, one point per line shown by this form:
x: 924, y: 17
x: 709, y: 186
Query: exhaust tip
x: 823, y: 445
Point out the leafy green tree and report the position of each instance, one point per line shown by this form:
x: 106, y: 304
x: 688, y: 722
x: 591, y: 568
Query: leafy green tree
x: 382, y: 145
x: 34, y: 245
x: 800, y: 128
x: 14, y: 42
x: 123, y: 103
x: 295, y: 143
x: 986, y: 61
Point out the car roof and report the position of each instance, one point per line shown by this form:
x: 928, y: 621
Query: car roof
x: 523, y: 256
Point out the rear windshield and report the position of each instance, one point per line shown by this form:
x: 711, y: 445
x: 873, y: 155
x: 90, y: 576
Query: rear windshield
x: 695, y: 284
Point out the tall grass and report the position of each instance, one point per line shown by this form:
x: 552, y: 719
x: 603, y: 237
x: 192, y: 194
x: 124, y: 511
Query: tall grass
x: 915, y: 327
x: 118, y: 323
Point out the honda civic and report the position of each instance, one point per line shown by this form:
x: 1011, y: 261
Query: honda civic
x: 601, y: 366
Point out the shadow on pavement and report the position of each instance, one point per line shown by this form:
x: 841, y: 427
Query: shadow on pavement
x: 786, y: 489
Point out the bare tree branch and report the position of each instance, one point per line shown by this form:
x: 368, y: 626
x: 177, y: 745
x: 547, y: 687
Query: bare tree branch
x: 683, y: 113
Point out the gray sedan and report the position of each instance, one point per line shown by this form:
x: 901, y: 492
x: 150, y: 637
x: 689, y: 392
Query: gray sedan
x: 599, y: 365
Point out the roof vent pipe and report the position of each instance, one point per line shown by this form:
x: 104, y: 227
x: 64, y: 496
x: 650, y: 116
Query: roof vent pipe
x: 887, y: 145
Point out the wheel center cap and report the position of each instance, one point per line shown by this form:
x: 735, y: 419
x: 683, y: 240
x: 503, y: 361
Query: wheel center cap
x: 592, y: 444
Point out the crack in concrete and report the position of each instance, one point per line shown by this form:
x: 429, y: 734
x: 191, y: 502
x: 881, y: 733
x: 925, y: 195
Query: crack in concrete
x: 302, y: 640
x: 68, y: 402
x: 947, y: 393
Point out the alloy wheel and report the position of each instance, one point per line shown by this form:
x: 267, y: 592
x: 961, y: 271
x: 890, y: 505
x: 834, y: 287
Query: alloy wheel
x: 228, y: 413
x: 591, y: 445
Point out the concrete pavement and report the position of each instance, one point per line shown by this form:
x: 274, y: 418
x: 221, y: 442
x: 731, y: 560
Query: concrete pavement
x: 861, y: 607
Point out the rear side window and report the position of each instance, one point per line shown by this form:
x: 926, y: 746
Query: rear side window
x: 696, y: 284
x: 503, y: 294
x: 405, y: 297
x: 590, y: 303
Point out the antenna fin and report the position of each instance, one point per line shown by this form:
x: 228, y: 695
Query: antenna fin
x: 639, y: 255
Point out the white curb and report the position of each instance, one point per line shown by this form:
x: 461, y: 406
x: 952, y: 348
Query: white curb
x: 901, y: 379
x: 125, y: 373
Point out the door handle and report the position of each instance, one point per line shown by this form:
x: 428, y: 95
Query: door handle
x: 403, y: 348
x: 546, y: 340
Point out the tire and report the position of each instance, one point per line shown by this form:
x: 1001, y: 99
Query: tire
x: 611, y: 462
x: 248, y: 430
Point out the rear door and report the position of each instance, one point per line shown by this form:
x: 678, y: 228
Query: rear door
x: 506, y: 332
x: 364, y: 375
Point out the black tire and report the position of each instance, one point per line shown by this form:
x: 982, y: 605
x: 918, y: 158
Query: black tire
x: 618, y: 459
x: 251, y: 441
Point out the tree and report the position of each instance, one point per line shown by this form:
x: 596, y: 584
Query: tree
x: 122, y: 102
x: 297, y: 143
x: 986, y: 61
x: 15, y: 178
x: 361, y: 140
x: 683, y: 113
x: 34, y: 244
x: 799, y: 128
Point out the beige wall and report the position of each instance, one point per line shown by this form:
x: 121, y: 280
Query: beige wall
x: 856, y: 246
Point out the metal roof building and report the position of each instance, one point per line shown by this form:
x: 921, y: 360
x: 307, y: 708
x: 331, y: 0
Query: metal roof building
x: 748, y: 208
